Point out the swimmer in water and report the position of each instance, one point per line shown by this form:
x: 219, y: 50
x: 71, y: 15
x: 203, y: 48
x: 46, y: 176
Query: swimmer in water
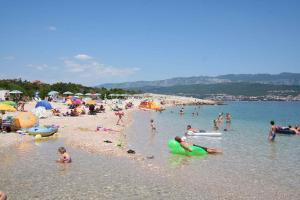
x: 152, y: 125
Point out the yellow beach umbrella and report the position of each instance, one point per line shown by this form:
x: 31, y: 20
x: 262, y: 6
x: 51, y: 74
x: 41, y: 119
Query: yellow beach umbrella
x: 25, y: 120
x: 4, y: 107
x: 68, y: 102
x: 91, y: 102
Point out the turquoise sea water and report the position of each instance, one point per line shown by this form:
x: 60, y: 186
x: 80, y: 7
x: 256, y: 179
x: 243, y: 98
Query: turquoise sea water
x: 249, y: 168
x: 250, y: 165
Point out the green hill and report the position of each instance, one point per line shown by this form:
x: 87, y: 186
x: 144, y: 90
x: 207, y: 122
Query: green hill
x: 242, y: 88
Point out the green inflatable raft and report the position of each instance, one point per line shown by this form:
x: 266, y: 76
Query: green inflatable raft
x: 176, y: 148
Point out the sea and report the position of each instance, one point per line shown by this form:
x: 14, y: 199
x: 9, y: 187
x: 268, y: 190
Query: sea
x: 250, y: 166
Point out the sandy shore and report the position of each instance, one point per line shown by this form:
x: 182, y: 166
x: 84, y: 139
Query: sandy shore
x: 80, y: 132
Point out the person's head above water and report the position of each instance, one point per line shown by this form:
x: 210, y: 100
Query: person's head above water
x: 62, y: 150
x: 272, y: 122
x: 188, y: 127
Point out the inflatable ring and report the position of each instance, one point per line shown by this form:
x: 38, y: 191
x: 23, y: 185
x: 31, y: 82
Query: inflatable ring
x: 176, y: 148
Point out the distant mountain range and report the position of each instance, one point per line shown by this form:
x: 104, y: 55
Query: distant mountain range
x: 271, y: 79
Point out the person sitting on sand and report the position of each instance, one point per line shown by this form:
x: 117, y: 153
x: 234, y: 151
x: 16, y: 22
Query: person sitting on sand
x: 102, y: 109
x: 272, y: 133
x: 74, y: 113
x: 186, y: 145
x: 64, y: 156
x: 56, y: 112
x: 92, y: 110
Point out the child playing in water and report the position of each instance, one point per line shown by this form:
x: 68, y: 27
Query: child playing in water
x: 64, y: 156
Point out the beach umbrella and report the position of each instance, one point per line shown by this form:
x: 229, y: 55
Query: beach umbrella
x: 68, y: 102
x: 91, y: 102
x: 73, y: 98
x: 15, y: 92
x: 68, y: 93
x: 88, y: 94
x: 79, y: 109
x: 11, y: 103
x: 51, y: 93
x: 41, y: 112
x: 44, y: 104
x: 25, y: 120
x: 97, y: 94
x: 5, y: 107
x: 86, y: 99
x: 78, y: 94
x: 76, y: 102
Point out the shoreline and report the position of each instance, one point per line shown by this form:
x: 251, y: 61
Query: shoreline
x: 80, y: 132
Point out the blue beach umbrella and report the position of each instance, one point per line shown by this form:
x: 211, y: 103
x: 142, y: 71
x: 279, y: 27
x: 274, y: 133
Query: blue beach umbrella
x: 44, y: 104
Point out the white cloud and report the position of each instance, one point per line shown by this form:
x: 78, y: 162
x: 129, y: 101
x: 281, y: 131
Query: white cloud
x: 83, y: 57
x: 96, y: 69
x: 51, y: 28
x: 8, y: 58
x: 38, y: 67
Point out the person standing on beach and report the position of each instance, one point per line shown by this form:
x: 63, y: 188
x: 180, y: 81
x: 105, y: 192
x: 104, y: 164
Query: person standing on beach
x: 120, y: 116
x: 272, y: 133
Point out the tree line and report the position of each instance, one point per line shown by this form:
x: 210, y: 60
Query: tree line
x: 30, y: 88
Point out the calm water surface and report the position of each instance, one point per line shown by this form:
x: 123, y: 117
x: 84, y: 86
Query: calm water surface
x: 249, y: 168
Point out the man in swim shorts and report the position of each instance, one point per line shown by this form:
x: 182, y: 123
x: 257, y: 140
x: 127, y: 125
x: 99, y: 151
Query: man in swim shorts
x: 185, y: 145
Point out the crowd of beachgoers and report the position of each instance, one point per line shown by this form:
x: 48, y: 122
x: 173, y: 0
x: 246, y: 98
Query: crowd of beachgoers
x: 83, y: 121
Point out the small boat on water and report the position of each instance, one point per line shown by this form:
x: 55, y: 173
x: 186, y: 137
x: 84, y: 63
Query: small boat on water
x: 42, y: 130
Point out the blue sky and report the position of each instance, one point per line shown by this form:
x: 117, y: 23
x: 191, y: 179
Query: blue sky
x: 94, y: 42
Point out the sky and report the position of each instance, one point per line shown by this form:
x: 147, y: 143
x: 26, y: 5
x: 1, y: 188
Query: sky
x: 93, y: 41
